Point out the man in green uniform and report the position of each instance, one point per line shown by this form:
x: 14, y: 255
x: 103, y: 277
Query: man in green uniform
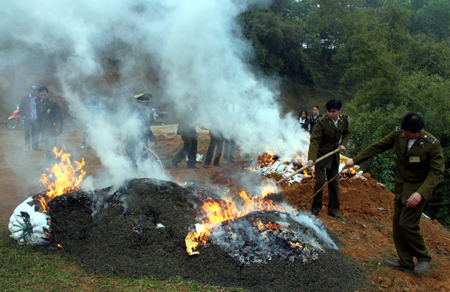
x: 52, y: 125
x: 140, y: 134
x: 330, y: 132
x: 420, y: 169
x: 186, y: 129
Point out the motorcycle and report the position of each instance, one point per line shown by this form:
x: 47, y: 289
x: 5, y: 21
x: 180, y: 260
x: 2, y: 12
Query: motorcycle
x: 14, y: 120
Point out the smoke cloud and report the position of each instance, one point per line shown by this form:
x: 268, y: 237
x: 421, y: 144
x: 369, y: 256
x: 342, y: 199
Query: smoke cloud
x: 183, y: 47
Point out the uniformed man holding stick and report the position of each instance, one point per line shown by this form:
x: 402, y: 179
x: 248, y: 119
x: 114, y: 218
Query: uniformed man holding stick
x: 330, y: 132
x: 137, y: 141
x: 420, y: 169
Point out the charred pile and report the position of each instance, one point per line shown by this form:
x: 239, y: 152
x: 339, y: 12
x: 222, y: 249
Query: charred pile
x: 259, y: 236
x: 140, y: 229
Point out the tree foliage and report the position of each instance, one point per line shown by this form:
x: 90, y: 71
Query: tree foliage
x: 392, y: 55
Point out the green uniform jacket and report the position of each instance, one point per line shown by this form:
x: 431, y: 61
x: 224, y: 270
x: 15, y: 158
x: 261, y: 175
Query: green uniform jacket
x: 419, y: 170
x: 326, y: 138
x: 52, y: 120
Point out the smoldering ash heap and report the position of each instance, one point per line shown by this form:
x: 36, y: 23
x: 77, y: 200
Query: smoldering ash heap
x: 140, y: 228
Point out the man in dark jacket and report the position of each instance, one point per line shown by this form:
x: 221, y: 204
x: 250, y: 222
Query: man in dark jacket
x: 330, y: 132
x: 29, y: 112
x: 52, y: 125
x: 139, y: 136
x: 186, y: 129
x: 420, y: 169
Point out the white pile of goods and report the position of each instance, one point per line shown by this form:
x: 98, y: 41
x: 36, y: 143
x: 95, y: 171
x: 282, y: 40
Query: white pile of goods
x: 28, y: 226
x: 284, y: 168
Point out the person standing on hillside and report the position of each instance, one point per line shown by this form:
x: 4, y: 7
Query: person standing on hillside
x: 303, y: 120
x: 330, y: 132
x: 139, y: 134
x: 215, y: 131
x: 93, y: 111
x: 314, y: 118
x: 52, y: 125
x: 29, y: 112
x: 186, y: 129
x: 421, y: 167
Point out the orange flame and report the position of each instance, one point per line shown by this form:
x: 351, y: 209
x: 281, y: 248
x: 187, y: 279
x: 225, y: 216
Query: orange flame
x: 227, y: 209
x: 349, y: 174
x: 268, y: 190
x: 63, y: 179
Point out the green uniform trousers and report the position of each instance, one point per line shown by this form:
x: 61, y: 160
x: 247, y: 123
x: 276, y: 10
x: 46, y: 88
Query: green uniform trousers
x: 333, y: 188
x: 407, y: 237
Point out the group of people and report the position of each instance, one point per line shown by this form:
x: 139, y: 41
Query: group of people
x: 307, y: 124
x: 420, y: 169
x: 42, y: 118
x: 217, y: 145
x: 419, y: 154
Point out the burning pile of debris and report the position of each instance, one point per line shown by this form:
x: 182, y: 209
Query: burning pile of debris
x: 255, y: 230
x: 256, y: 238
x: 270, y: 164
x: 139, y: 229
x: 30, y: 223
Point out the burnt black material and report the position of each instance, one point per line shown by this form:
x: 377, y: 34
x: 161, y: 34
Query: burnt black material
x: 123, y: 239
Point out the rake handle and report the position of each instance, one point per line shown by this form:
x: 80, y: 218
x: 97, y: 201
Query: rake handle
x: 308, y: 166
x: 325, y: 184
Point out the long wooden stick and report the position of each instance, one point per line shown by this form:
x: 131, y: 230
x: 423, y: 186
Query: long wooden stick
x: 157, y: 157
x: 324, y: 185
x: 308, y: 166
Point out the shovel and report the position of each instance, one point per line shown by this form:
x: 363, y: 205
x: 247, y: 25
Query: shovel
x: 302, y: 169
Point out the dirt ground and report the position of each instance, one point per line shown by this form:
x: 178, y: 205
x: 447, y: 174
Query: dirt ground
x: 364, y: 230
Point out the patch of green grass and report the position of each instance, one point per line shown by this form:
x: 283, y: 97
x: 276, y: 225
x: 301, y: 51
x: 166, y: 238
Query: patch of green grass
x: 372, y: 220
x: 435, y: 265
x: 374, y: 264
x: 30, y: 268
x: 390, y: 256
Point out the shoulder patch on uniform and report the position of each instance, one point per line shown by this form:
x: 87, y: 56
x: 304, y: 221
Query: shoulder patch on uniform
x: 344, y: 116
x: 431, y: 140
x: 323, y: 120
x: 398, y: 129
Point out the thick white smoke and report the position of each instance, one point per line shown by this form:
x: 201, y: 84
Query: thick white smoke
x: 191, y: 47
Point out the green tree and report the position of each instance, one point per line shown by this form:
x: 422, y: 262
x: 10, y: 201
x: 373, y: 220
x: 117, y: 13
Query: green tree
x: 433, y: 19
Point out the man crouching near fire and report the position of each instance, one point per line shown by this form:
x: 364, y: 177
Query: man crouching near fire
x: 420, y: 169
